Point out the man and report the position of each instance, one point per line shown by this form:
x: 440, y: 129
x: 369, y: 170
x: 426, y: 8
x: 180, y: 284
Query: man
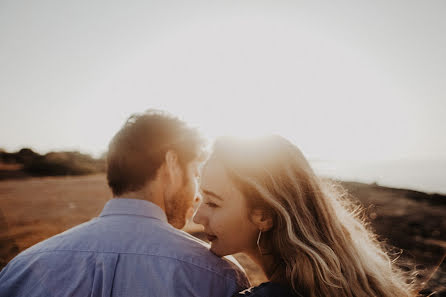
x: 134, y: 248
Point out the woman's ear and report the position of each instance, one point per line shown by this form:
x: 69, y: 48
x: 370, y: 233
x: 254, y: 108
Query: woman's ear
x: 262, y: 219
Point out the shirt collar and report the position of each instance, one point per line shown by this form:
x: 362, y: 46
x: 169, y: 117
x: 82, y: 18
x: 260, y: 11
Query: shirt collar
x: 135, y: 207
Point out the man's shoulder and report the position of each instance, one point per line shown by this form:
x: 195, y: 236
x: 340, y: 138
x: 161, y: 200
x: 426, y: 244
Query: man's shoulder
x: 61, y: 241
x: 149, y: 240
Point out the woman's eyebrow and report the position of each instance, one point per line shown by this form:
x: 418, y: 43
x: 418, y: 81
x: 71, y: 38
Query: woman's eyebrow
x: 210, y: 193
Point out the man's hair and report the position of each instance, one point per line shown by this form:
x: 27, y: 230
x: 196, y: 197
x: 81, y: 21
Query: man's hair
x: 138, y: 150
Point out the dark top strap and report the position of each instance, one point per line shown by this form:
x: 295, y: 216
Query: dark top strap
x: 268, y: 289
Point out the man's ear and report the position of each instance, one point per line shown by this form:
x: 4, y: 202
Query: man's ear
x: 171, y: 160
x: 262, y: 219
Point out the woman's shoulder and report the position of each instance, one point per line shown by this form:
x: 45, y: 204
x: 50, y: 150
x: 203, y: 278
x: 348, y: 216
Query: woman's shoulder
x: 268, y: 289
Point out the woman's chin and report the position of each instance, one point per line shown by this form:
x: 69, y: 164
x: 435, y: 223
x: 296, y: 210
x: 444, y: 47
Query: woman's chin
x: 215, y: 252
x: 219, y: 251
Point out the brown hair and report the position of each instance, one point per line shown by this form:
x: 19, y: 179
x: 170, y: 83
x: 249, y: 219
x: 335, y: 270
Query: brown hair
x: 137, y: 151
x: 318, y: 234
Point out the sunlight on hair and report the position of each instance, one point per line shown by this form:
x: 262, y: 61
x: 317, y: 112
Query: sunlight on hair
x: 318, y: 233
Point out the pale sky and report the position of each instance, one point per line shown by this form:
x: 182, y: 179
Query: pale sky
x: 341, y: 79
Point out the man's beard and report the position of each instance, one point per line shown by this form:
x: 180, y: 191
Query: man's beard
x: 177, y: 207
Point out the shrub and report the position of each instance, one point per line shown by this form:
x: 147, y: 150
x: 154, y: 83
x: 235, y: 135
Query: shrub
x: 64, y: 163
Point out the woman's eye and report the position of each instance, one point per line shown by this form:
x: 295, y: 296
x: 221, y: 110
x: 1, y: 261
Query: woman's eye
x: 211, y: 204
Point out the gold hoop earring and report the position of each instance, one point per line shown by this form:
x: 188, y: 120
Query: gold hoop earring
x: 258, y: 243
x: 258, y: 239
x: 262, y: 252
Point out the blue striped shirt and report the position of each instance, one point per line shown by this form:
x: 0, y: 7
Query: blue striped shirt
x: 130, y: 250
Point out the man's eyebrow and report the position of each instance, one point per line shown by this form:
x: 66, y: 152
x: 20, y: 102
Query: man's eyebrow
x: 211, y: 194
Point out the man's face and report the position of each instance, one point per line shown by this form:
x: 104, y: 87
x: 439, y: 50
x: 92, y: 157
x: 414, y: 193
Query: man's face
x: 185, y: 187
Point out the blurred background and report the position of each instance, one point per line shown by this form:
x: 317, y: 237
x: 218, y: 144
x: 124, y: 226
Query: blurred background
x: 358, y: 86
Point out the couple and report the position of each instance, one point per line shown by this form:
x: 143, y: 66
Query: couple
x: 258, y: 197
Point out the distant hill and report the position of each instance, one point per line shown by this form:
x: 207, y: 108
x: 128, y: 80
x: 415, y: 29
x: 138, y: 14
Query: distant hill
x: 26, y: 162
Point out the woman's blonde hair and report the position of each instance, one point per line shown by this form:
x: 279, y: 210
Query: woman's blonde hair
x: 318, y: 234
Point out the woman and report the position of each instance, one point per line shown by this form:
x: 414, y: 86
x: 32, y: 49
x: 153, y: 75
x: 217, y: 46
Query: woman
x: 263, y: 199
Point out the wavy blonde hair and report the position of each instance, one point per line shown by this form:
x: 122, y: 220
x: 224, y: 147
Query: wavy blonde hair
x: 318, y: 234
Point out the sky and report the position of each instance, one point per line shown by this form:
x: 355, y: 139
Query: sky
x: 359, y: 80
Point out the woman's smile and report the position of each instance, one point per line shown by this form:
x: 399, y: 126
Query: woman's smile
x: 210, y: 237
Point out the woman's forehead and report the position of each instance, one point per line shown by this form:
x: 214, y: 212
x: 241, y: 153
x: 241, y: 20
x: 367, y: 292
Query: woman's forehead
x: 213, y: 172
x: 215, y: 179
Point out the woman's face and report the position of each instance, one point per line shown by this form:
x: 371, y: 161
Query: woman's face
x: 223, y: 213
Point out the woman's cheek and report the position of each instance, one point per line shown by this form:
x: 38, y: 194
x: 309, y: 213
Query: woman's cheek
x: 216, y: 224
x: 220, y: 225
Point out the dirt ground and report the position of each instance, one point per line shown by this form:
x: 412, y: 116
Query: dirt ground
x: 33, y: 209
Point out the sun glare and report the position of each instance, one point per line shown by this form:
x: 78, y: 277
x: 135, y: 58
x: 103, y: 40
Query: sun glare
x: 303, y: 86
x: 244, y: 74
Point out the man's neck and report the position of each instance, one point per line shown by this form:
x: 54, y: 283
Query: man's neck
x: 151, y: 192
